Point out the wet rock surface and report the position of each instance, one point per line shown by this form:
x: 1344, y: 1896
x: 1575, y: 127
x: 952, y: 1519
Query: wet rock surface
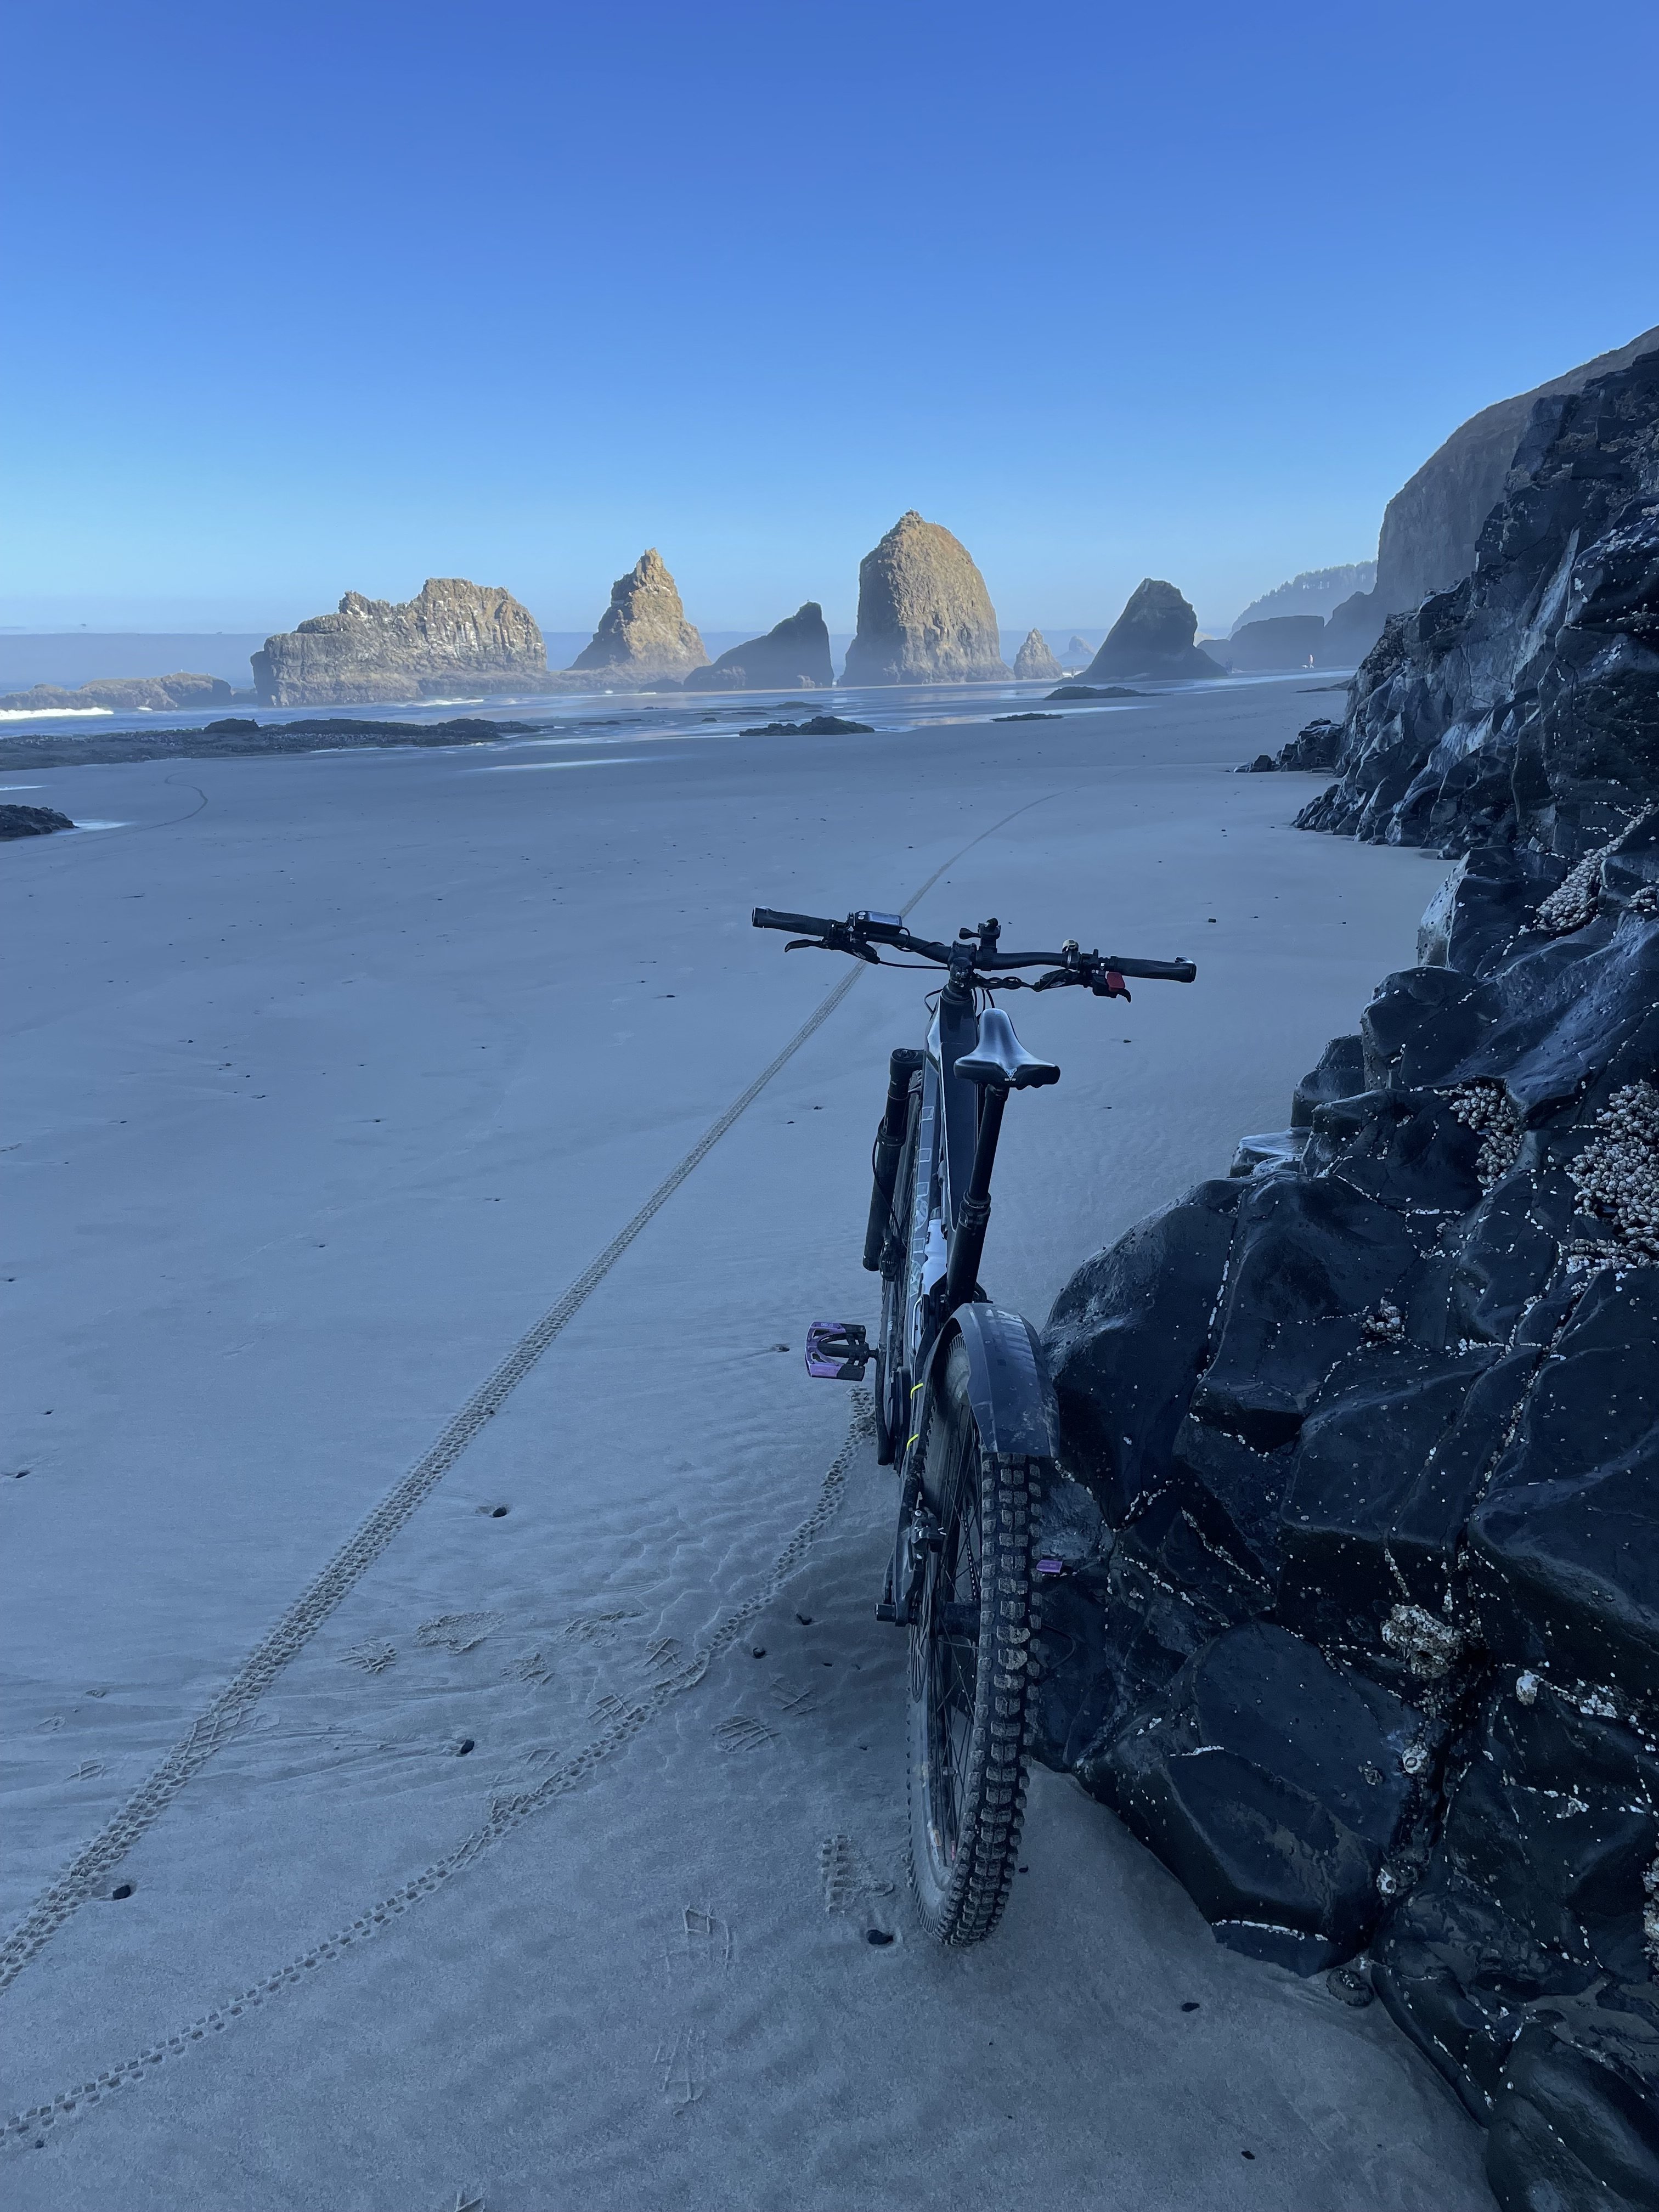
x: 1522, y: 705
x: 32, y: 821
x: 239, y: 737
x: 1353, y: 1609
x: 925, y: 616
x: 1153, y: 637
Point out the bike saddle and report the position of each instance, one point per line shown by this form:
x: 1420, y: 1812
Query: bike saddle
x: 1000, y: 1059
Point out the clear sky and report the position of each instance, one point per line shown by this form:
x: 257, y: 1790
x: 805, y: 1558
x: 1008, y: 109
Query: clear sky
x: 301, y: 298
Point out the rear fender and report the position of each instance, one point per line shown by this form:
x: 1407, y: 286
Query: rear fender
x: 1008, y: 1384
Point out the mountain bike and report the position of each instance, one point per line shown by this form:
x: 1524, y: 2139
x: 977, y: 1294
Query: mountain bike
x: 964, y: 1408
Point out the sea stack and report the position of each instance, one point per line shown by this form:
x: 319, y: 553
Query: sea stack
x: 1153, y: 637
x: 925, y: 616
x: 1078, y: 653
x: 643, y: 634
x: 455, y: 635
x: 1033, y: 663
x: 793, y: 655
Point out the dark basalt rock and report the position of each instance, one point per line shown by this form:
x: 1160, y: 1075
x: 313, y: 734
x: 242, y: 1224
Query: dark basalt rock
x: 1271, y: 1785
x: 1521, y: 704
x: 1358, y: 1622
x: 32, y: 821
x: 1094, y: 691
x: 820, y: 726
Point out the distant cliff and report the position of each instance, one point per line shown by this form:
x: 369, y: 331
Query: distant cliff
x: 1153, y: 637
x: 925, y: 616
x: 454, y: 635
x: 795, y: 653
x: 1315, y: 591
x: 643, y: 633
x: 1430, y: 524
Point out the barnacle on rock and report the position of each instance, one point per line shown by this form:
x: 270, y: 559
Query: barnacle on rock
x: 1428, y: 1644
x: 1618, y: 1172
x: 1485, y: 1107
x: 1384, y: 1323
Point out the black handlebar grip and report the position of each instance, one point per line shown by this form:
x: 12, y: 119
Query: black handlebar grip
x: 1155, y: 971
x: 799, y: 925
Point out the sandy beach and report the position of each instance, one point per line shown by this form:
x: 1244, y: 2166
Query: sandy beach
x: 543, y: 1872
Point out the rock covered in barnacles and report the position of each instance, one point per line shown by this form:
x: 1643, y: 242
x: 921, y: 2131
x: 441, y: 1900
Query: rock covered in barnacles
x: 1370, y: 1433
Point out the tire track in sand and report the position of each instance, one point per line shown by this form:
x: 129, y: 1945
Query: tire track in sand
x: 92, y: 1866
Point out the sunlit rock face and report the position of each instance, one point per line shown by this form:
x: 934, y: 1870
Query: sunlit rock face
x: 793, y: 654
x: 925, y: 616
x: 1152, y: 637
x: 1523, y: 704
x: 643, y: 633
x: 1034, y: 662
x: 454, y: 635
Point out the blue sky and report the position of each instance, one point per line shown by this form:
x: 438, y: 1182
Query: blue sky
x: 302, y: 298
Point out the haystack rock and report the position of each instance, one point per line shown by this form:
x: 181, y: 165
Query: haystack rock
x: 1153, y: 637
x: 643, y: 633
x: 455, y: 635
x: 1078, y: 653
x: 1033, y: 663
x: 793, y: 654
x: 925, y: 616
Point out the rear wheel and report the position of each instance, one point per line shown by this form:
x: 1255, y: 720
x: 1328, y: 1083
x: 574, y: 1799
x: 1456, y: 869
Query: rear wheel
x: 969, y: 1680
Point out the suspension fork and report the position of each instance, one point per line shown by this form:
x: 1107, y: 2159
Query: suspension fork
x: 889, y: 1145
x: 973, y: 1215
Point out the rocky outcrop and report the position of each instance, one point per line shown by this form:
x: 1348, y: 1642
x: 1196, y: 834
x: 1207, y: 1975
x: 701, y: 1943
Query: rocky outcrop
x: 1078, y: 654
x: 1352, y: 1613
x: 455, y: 636
x: 1431, y: 525
x: 1523, y: 704
x: 817, y: 725
x: 794, y: 654
x: 1153, y: 637
x: 239, y: 737
x: 643, y: 633
x: 122, y: 694
x: 32, y: 821
x: 925, y: 616
x: 1033, y: 663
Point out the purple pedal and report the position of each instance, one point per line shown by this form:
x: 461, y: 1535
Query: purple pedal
x: 837, y: 1351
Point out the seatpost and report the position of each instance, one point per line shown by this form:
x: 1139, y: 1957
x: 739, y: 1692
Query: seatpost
x: 967, y: 1245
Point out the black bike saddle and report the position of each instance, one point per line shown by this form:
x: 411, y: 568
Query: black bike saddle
x: 999, y: 1058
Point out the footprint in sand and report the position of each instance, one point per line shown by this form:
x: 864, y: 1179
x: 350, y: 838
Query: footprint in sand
x: 847, y: 1875
x: 457, y: 1632
x: 702, y: 1943
x: 373, y: 1658
x: 744, y: 1733
x: 682, y: 2068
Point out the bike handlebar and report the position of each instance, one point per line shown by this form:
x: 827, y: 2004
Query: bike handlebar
x: 859, y: 932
